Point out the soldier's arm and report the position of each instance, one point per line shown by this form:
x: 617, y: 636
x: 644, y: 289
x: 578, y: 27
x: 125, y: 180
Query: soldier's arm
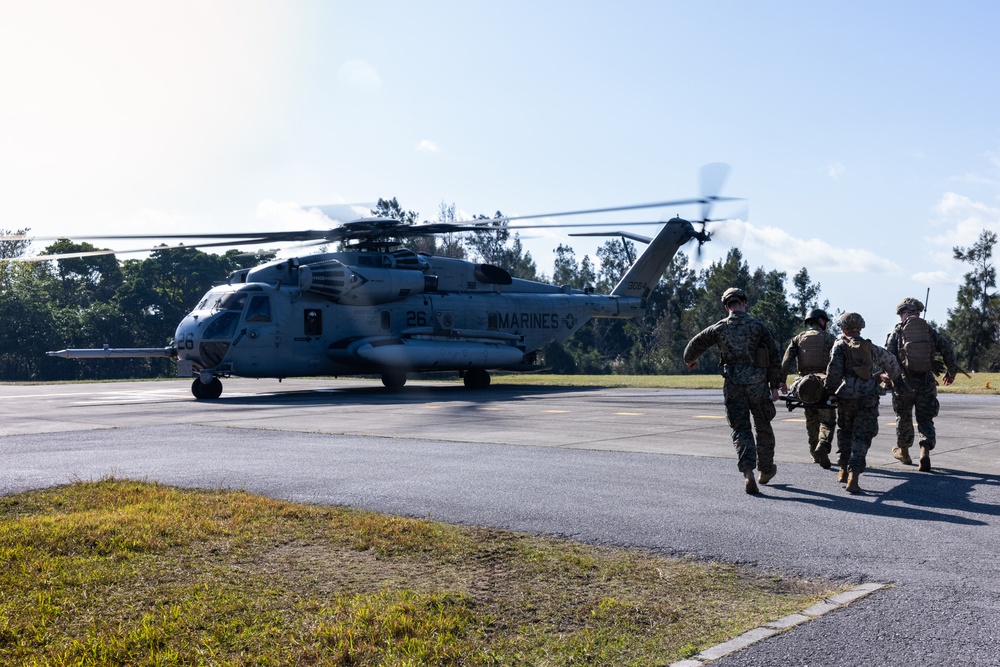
x: 947, y: 352
x: 834, y: 369
x: 701, y: 342
x: 775, y: 377
x: 892, y: 342
x: 886, y: 361
x: 791, y: 352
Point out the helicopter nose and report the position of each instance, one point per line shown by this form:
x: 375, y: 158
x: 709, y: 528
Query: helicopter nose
x: 186, y: 339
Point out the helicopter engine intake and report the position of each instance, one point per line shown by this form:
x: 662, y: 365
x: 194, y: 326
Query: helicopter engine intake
x: 364, y: 286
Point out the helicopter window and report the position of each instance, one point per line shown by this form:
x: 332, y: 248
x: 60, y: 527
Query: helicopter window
x: 259, y: 310
x: 233, y: 301
x: 366, y: 260
x: 223, y: 327
x: 313, y: 322
x: 384, y: 319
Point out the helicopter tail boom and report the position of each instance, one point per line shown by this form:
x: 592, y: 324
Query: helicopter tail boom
x: 643, y: 276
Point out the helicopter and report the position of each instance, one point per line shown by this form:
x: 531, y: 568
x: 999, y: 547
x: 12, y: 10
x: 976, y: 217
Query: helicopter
x: 377, y: 308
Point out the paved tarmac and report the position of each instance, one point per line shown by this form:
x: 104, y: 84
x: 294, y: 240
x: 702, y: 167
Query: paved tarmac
x: 645, y: 468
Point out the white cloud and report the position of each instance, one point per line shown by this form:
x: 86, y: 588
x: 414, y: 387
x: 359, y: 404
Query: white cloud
x: 428, y: 146
x: 360, y: 74
x: 835, y: 171
x: 788, y: 253
x: 964, y: 220
x: 935, y: 278
x: 289, y: 215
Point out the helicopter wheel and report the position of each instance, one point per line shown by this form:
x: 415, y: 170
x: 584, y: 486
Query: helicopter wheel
x: 208, y: 391
x: 393, y: 379
x: 477, y: 379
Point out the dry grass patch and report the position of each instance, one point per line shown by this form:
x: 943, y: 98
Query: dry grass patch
x: 120, y: 572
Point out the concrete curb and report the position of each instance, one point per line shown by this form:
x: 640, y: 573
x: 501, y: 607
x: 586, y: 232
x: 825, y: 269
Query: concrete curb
x: 772, y: 628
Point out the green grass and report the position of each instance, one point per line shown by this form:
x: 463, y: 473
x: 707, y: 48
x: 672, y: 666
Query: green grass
x: 126, y: 573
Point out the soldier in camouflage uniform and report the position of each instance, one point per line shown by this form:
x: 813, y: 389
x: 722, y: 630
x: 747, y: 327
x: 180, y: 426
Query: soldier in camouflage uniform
x: 852, y: 376
x: 810, y: 351
x: 752, y: 374
x: 915, y: 344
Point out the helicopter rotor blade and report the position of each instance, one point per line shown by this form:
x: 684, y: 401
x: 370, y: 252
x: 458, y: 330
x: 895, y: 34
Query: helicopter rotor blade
x: 713, y: 177
x: 374, y: 232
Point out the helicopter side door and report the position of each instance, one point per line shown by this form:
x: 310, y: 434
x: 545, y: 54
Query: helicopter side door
x: 257, y: 344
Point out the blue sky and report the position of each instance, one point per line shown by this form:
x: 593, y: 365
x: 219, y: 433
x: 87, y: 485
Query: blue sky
x: 864, y: 135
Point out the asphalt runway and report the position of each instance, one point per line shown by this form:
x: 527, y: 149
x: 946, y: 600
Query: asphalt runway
x: 652, y: 469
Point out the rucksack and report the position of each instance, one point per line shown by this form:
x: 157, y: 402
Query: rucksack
x: 859, y: 357
x: 916, y: 347
x: 813, y: 354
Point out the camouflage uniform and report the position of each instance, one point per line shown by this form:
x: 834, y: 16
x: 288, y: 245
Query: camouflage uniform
x: 820, y: 422
x: 857, y: 402
x: 918, y: 391
x: 747, y: 386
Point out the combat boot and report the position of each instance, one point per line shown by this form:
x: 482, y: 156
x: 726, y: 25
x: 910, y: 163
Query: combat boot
x: 902, y: 454
x: 823, y: 459
x: 749, y: 485
x: 925, y: 460
x: 852, y: 483
x: 766, y: 477
x: 842, y: 475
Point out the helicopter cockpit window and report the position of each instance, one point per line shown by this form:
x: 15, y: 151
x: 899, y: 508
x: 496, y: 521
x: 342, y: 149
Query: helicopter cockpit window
x: 313, y: 322
x: 259, y: 310
x: 223, y: 327
x: 233, y: 301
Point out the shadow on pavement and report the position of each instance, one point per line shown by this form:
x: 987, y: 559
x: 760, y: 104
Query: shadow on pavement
x: 935, y: 496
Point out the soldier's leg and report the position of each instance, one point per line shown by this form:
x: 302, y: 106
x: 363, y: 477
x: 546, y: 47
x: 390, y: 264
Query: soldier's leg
x: 845, y: 429
x: 927, y: 407
x: 865, y: 430
x: 902, y: 405
x: 738, y: 415
x: 827, y: 426
x: 812, y: 431
x: 763, y: 411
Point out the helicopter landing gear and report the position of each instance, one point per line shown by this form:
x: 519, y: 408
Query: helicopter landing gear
x: 204, y: 391
x: 477, y: 379
x: 393, y: 379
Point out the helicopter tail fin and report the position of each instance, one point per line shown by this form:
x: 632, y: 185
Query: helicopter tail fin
x: 643, y: 276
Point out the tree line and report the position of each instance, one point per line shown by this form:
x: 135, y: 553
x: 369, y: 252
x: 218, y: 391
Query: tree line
x: 92, y: 301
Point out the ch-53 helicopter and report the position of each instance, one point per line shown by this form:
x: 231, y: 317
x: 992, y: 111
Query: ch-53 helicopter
x: 377, y: 308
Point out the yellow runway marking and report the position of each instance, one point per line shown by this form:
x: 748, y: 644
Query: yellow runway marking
x: 709, y: 416
x: 491, y: 408
x: 793, y: 420
x: 556, y: 411
x: 630, y: 414
x: 432, y: 407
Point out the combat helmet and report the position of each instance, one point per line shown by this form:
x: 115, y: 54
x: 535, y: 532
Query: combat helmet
x: 851, y: 322
x: 733, y: 293
x: 817, y: 314
x: 910, y: 304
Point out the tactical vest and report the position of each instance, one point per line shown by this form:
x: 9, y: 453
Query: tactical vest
x: 813, y: 354
x: 859, y: 358
x: 916, y: 347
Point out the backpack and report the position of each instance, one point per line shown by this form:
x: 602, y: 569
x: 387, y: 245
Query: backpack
x: 813, y: 354
x: 859, y: 357
x: 916, y: 347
